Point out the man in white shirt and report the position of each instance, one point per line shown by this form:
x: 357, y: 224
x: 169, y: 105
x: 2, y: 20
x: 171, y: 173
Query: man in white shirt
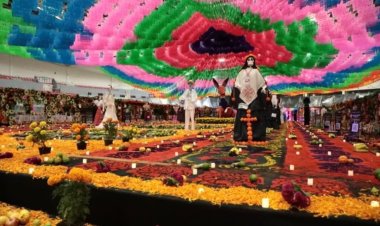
x: 189, y: 97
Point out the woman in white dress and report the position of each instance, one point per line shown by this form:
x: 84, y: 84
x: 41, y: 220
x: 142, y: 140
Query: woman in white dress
x: 109, y: 105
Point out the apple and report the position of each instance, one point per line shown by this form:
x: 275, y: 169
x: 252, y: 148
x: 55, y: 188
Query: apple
x: 253, y: 178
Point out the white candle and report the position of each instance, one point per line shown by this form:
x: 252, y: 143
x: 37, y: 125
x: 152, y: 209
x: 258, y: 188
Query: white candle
x: 297, y: 153
x: 377, y: 154
x: 31, y: 170
x: 320, y: 145
x: 375, y: 204
x: 286, y: 139
x: 46, y: 159
x: 194, y: 143
x: 201, y: 190
x: 133, y: 166
x: 176, y: 154
x: 320, y: 140
x: 310, y: 181
x: 195, y: 171
x: 213, y: 165
x: 178, y: 161
x: 87, y: 152
x: 240, y: 149
x: 158, y: 146
x: 350, y: 173
x: 291, y: 167
x: 84, y: 161
x: 265, y: 202
x: 296, y: 142
x: 344, y: 141
x: 329, y: 153
x: 55, y: 138
x: 162, y: 141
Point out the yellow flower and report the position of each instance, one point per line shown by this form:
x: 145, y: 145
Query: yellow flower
x: 37, y: 129
x: 43, y: 132
x: 56, y: 179
x: 79, y: 175
x: 42, y: 124
x: 74, y: 126
x: 33, y: 125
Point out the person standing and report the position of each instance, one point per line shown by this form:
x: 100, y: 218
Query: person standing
x: 189, y: 98
x: 249, y: 94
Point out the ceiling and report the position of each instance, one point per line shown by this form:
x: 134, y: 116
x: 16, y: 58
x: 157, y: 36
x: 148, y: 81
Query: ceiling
x: 300, y: 45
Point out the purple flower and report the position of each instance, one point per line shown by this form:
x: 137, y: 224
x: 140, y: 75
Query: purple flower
x: 33, y: 161
x: 294, y: 195
x: 6, y: 155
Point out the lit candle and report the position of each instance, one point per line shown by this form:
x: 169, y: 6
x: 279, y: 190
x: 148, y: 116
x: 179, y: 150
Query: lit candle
x: 286, y: 139
x: 84, y: 161
x: 178, y: 161
x: 265, y: 202
x: 52, y: 149
x: 291, y: 167
x: 2, y: 146
x: 320, y: 145
x: 155, y: 137
x: 201, y: 190
x: 46, y: 159
x: 162, y: 141
x: 31, y: 170
x: 55, y: 138
x: 297, y: 153
x: 344, y: 141
x: 329, y: 153
x: 176, y: 154
x: 134, y: 165
x: 194, y: 143
x: 350, y: 173
x: 87, y: 152
x: 377, y: 154
x: 296, y: 142
x: 310, y: 181
x: 110, y: 148
x: 195, y: 171
x: 375, y: 204
x: 158, y: 146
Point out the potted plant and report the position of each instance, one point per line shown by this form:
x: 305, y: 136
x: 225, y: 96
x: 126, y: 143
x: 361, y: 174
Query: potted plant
x: 128, y: 134
x: 110, y: 129
x: 38, y: 135
x: 81, y: 135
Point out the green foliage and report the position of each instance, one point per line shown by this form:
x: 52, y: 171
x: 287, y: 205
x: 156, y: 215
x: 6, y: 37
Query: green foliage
x: 110, y: 129
x: 73, y: 203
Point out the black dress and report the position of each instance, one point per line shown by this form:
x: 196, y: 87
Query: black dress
x: 257, y: 110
